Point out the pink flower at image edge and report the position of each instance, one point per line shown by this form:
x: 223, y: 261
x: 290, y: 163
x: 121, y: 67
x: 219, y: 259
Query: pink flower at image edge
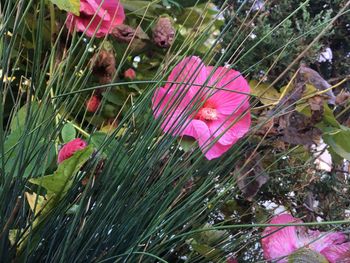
x: 278, y: 242
x: 101, y: 17
x: 224, y: 111
x: 70, y: 148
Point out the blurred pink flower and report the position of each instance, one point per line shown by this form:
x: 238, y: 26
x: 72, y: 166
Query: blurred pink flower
x: 70, y: 148
x: 130, y: 74
x: 280, y: 241
x: 231, y: 260
x: 103, y: 17
x: 224, y: 110
x: 92, y: 103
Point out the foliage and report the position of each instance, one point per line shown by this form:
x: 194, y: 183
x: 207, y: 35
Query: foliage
x: 137, y: 193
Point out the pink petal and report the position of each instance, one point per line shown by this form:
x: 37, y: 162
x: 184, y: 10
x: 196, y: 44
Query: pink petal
x: 279, y: 242
x: 198, y: 130
x: 230, y: 129
x: 215, y: 151
x: 108, y: 14
x: 234, y: 93
x: 190, y: 70
x: 173, y: 106
x: 97, y: 7
x: 318, y: 241
x: 116, y: 11
x: 337, y: 253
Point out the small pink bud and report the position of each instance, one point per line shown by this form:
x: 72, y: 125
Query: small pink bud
x: 130, y: 74
x: 70, y: 148
x: 92, y: 104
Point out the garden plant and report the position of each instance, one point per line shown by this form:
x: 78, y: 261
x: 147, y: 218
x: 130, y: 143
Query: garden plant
x: 175, y: 131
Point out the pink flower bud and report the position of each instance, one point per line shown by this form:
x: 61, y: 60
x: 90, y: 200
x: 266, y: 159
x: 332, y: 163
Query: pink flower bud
x: 92, y: 104
x: 130, y: 74
x: 70, y: 148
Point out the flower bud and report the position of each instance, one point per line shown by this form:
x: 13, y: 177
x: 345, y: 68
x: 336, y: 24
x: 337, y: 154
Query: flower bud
x: 125, y: 33
x: 164, y: 32
x: 70, y: 148
x: 92, y: 104
x: 130, y: 74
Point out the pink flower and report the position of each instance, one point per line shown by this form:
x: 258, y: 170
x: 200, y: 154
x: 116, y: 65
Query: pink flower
x: 223, y: 115
x: 101, y: 17
x: 280, y: 241
x: 130, y: 74
x: 70, y: 148
x: 92, y: 104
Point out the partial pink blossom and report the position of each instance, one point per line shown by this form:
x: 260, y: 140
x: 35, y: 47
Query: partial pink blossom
x: 97, y: 17
x: 70, y: 148
x: 279, y: 242
x: 222, y: 116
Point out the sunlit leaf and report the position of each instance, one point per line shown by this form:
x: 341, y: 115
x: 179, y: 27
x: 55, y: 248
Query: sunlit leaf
x: 72, y: 6
x: 264, y: 92
x: 68, y: 132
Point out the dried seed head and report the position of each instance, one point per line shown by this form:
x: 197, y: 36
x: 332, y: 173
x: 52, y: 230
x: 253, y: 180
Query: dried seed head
x: 164, y: 32
x: 104, y: 66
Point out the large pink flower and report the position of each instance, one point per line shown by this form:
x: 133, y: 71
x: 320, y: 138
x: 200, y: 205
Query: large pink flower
x: 70, y: 148
x: 97, y: 17
x: 279, y: 242
x: 216, y: 117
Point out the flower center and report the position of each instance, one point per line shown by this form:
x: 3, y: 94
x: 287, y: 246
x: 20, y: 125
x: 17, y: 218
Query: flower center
x: 207, y: 112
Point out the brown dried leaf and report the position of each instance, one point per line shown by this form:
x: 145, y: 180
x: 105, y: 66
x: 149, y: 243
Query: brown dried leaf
x: 314, y: 78
x: 342, y: 98
x: 317, y: 108
x: 296, y: 128
x: 251, y: 176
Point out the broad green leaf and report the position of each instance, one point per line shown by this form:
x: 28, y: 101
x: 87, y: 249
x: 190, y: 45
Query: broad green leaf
x: 35, y: 202
x: 139, y: 7
x: 307, y: 256
x: 60, y: 182
x: 108, y: 144
x: 13, y: 145
x: 18, y: 121
x: 72, y: 6
x: 264, y: 92
x: 68, y: 132
x: 39, y: 114
x: 338, y: 139
x: 328, y: 116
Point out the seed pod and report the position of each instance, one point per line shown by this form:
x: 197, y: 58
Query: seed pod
x: 164, y: 32
x: 104, y: 66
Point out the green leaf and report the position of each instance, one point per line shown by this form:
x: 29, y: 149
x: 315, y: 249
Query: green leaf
x: 328, y: 116
x: 338, y: 139
x: 68, y: 132
x: 307, y: 256
x: 60, y: 182
x: 104, y: 141
x: 18, y: 121
x: 72, y: 6
x: 264, y: 92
